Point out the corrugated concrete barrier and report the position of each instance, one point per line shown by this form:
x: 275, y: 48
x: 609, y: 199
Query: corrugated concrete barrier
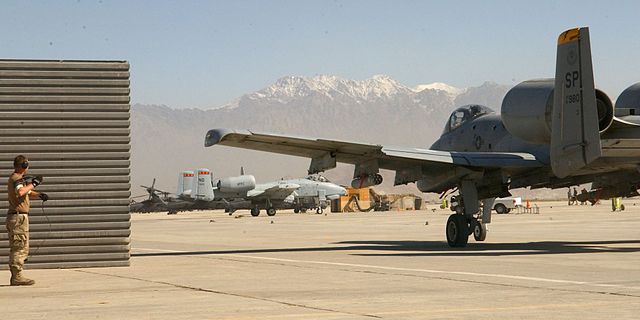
x: 71, y: 119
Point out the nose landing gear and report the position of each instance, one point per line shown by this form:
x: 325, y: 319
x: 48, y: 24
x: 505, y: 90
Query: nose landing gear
x: 470, y: 217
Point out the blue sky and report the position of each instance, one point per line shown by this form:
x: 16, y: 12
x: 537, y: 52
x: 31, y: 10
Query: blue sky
x: 205, y: 53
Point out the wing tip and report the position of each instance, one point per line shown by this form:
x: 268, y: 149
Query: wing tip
x: 215, y: 136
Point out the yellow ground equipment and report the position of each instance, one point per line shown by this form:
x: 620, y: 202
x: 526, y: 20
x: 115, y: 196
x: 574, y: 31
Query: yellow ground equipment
x: 367, y: 199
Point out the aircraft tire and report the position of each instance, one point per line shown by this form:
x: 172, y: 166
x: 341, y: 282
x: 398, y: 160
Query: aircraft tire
x: 255, y: 212
x: 479, y: 231
x: 296, y: 210
x: 457, y: 231
x: 319, y: 210
x: 271, y: 212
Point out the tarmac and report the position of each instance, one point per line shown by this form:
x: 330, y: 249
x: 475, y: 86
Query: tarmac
x: 578, y: 262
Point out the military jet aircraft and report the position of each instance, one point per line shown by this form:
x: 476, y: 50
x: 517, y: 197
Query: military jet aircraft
x: 314, y: 193
x: 242, y: 192
x: 551, y: 133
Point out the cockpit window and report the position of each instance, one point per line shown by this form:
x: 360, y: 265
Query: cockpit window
x: 464, y: 114
x: 318, y: 178
x: 456, y: 119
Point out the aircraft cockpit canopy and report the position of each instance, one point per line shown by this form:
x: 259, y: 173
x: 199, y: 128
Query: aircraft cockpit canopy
x: 318, y: 178
x: 464, y: 114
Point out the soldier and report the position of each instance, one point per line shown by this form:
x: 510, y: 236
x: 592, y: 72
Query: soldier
x: 20, y: 188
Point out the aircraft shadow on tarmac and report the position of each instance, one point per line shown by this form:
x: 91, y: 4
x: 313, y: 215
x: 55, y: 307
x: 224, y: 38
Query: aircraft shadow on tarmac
x: 437, y: 248
x: 430, y: 248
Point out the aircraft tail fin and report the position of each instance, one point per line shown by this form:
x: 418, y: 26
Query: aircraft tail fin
x: 185, y: 181
x: 575, y: 136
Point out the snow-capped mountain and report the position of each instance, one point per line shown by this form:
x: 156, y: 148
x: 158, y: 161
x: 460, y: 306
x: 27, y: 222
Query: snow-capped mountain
x: 288, y: 88
x: 451, y: 90
x: 375, y: 89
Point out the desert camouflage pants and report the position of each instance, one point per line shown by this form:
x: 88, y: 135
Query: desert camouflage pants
x: 18, y: 229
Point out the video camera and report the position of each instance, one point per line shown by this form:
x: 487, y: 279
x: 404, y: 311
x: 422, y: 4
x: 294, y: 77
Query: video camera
x: 35, y: 180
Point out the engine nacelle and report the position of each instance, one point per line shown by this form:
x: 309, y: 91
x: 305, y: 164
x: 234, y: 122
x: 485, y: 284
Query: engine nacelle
x: 185, y: 183
x: 237, y: 184
x: 527, y: 107
x: 367, y: 181
x: 202, y: 188
x: 628, y: 103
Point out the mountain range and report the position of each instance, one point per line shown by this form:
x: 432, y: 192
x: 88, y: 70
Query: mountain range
x: 377, y: 110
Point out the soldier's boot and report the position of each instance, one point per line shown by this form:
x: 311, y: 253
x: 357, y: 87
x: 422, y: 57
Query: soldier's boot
x: 17, y: 279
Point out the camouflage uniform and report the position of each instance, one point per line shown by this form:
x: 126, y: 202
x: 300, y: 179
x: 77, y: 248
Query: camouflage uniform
x: 18, y: 229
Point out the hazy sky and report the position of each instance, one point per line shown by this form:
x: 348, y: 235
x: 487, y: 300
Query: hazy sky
x: 205, y: 53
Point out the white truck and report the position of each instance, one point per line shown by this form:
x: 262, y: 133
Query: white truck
x: 504, y: 205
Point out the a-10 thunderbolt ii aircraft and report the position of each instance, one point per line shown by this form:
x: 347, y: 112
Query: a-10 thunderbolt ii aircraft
x: 242, y: 192
x: 551, y: 133
x: 315, y: 192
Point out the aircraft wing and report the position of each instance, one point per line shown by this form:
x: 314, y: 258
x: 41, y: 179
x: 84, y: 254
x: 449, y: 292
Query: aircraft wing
x: 410, y: 164
x: 277, y: 192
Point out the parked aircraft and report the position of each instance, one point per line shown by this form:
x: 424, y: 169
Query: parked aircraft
x: 551, y: 133
x: 159, y: 201
x: 242, y: 192
x: 315, y: 193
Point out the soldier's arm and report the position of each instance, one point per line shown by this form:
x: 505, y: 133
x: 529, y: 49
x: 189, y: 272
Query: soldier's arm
x: 34, y: 194
x: 23, y: 189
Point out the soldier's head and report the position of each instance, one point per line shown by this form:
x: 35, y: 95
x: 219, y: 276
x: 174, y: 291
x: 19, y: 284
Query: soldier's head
x: 21, y: 164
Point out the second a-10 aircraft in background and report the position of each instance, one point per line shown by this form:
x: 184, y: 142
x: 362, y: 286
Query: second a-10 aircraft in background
x: 551, y: 133
x: 198, y: 190
x: 242, y: 192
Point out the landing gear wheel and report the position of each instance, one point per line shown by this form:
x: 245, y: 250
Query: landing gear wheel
x: 500, y: 208
x: 296, y: 210
x: 271, y: 212
x: 319, y: 210
x: 457, y: 231
x: 479, y: 231
x: 255, y: 212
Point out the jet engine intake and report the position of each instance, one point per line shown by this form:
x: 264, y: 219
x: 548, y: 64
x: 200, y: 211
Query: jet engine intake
x: 237, y: 184
x: 527, y: 107
x: 366, y: 181
x: 605, y: 111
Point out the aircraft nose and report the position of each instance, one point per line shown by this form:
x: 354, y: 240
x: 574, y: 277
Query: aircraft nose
x: 342, y: 191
